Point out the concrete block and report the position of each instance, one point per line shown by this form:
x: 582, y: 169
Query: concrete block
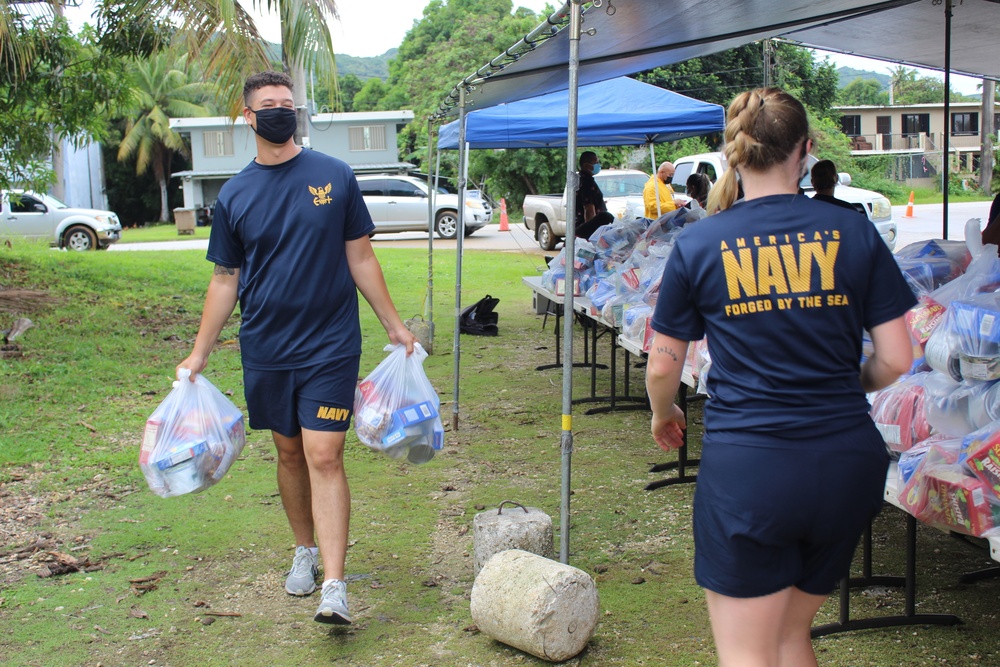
x: 535, y: 604
x: 527, y: 528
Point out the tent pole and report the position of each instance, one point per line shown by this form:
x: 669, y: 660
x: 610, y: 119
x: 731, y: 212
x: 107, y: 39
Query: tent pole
x: 946, y: 168
x: 656, y: 185
x: 437, y: 176
x: 463, y: 155
x: 572, y: 185
x: 431, y: 197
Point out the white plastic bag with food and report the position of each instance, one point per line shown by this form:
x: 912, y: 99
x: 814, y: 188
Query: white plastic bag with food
x: 191, y: 439
x: 396, y: 410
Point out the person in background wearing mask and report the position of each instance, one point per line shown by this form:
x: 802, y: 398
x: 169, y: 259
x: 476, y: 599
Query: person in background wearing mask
x: 290, y: 243
x: 591, y: 211
x: 792, y: 466
x: 657, y: 194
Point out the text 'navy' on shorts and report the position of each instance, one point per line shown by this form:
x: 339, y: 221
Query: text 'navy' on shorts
x: 318, y: 398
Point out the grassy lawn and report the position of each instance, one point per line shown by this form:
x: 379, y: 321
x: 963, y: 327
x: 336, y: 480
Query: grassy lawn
x: 109, y: 329
x: 933, y: 196
x: 161, y: 232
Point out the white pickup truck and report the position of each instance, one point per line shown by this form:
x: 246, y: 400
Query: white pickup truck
x: 38, y: 216
x: 545, y: 215
x: 875, y: 207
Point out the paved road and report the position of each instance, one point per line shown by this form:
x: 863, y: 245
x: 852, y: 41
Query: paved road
x: 926, y: 223
x: 518, y: 239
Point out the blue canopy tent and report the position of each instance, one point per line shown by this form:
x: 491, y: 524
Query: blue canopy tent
x: 615, y: 112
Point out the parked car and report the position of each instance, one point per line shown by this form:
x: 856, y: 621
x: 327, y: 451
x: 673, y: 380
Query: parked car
x: 398, y: 203
x: 37, y: 216
x: 546, y: 214
x: 873, y: 205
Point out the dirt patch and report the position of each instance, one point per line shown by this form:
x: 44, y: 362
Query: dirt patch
x: 26, y: 301
x: 30, y: 550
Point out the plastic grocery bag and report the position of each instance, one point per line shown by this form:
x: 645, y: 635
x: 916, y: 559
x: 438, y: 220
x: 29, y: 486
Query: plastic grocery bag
x: 899, y: 414
x: 396, y: 410
x: 191, y: 439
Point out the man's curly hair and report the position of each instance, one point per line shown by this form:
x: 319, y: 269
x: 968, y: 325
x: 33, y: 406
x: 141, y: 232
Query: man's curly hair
x: 258, y: 81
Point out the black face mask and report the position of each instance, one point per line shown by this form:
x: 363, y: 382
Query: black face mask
x: 276, y: 124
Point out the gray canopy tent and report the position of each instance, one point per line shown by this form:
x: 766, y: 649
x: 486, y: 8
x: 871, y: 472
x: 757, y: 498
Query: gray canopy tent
x: 621, y: 37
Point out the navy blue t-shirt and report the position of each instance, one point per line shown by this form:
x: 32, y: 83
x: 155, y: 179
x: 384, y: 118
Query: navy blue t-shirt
x: 285, y: 227
x: 782, y: 286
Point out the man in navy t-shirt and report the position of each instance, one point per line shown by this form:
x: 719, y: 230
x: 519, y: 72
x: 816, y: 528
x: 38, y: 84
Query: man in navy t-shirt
x: 290, y: 242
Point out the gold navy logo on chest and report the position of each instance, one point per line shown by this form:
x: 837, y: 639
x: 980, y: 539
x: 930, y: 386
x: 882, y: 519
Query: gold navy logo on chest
x: 321, y: 194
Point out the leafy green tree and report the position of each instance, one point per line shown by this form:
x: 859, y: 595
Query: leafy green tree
x: 350, y: 84
x: 863, y: 92
x: 53, y: 86
x: 511, y: 174
x: 814, y: 84
x: 714, y: 78
x: 719, y: 77
x: 370, y: 96
x: 449, y: 41
x: 164, y: 90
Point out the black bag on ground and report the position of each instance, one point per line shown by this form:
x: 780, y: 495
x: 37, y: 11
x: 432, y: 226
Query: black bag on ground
x: 479, y: 318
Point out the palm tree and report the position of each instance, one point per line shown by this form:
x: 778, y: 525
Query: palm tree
x: 224, y: 27
x: 164, y: 91
x: 899, y: 76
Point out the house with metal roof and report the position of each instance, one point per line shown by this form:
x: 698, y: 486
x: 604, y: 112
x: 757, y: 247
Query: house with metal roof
x: 222, y: 147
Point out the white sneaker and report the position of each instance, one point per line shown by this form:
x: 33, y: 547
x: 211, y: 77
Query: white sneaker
x: 302, y: 577
x: 333, y: 607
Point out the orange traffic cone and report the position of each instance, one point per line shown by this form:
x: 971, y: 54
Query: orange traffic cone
x: 504, y: 224
x: 909, y: 207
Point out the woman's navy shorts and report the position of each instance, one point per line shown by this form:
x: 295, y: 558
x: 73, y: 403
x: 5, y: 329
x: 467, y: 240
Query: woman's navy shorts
x: 318, y: 398
x: 767, y: 518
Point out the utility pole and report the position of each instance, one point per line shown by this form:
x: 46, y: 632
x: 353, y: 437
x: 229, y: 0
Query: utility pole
x: 986, y: 130
x: 768, y: 64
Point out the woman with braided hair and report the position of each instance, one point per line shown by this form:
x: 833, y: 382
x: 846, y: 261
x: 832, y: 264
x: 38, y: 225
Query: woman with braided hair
x: 792, y: 467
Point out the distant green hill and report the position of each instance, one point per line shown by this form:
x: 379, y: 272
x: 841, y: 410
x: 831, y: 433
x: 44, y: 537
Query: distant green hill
x: 374, y: 67
x: 848, y: 74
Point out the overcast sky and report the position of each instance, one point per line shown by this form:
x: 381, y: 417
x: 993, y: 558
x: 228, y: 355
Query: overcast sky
x: 369, y: 28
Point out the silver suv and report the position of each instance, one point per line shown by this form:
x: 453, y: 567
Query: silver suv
x: 398, y: 203
x: 35, y: 216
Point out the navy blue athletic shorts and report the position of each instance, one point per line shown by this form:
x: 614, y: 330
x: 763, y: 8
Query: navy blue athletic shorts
x: 318, y: 398
x: 768, y: 518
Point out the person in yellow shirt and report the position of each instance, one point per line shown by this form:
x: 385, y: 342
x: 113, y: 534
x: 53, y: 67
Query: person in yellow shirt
x: 658, y: 195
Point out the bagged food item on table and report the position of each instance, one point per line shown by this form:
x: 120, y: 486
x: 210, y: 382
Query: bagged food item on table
x: 191, y: 439
x: 636, y: 325
x: 957, y: 408
x: 396, y: 410
x: 943, y: 347
x: 957, y: 253
x: 926, y: 274
x: 981, y: 276
x: 912, y: 493
x: 983, y: 460
x: 911, y: 459
x: 898, y: 413
x: 960, y: 502
x: 923, y: 318
x: 977, y: 324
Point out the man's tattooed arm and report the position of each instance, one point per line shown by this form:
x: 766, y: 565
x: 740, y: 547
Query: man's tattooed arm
x: 224, y: 270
